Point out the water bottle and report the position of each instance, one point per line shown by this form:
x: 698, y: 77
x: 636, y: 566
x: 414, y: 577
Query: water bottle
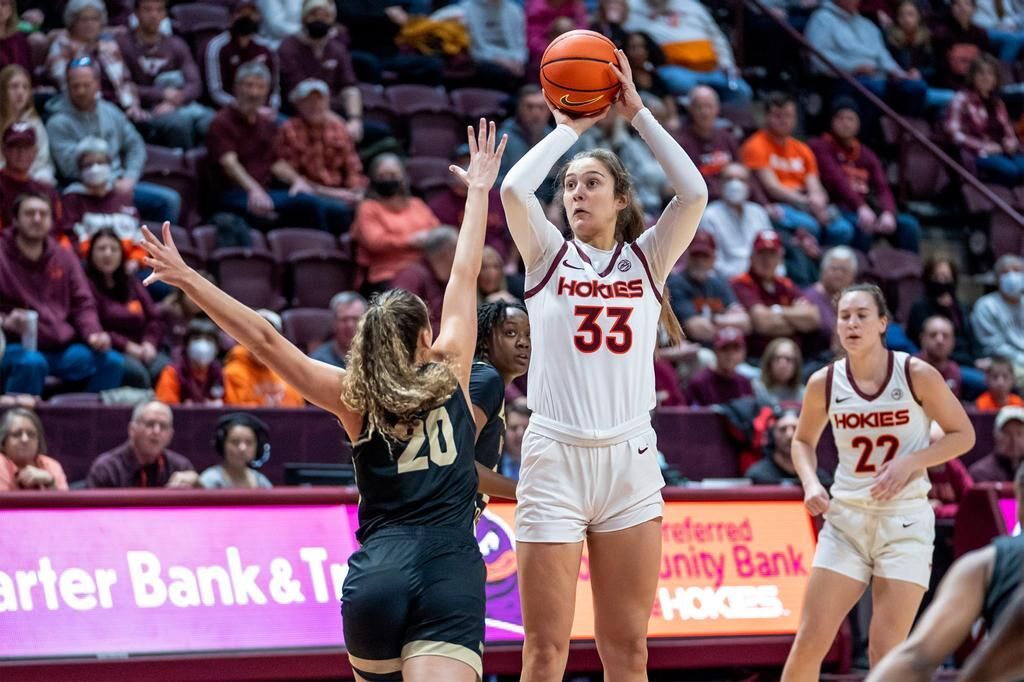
x: 29, y: 336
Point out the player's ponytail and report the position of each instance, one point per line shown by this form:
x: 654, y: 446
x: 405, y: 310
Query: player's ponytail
x: 383, y: 380
x: 630, y: 225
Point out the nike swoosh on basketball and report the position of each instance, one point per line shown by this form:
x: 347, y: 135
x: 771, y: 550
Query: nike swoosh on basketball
x: 839, y: 400
x: 642, y: 450
x: 569, y: 103
x: 570, y: 265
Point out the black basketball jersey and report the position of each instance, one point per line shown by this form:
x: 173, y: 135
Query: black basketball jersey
x: 487, y: 391
x: 1007, y: 573
x: 428, y: 480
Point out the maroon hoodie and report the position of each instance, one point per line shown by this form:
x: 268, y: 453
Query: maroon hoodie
x: 55, y: 286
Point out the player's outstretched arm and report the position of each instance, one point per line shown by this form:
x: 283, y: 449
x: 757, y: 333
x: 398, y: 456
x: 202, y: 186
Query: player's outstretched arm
x: 674, y: 231
x: 456, y: 340
x: 944, y: 626
x: 999, y: 658
x: 813, y: 418
x: 941, y: 406
x: 535, y: 237
x: 319, y: 383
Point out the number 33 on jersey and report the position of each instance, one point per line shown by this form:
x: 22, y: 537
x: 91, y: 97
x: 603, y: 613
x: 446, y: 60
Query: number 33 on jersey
x: 593, y: 321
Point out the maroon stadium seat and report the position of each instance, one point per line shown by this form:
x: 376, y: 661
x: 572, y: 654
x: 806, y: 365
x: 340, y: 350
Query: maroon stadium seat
x: 408, y: 99
x: 472, y: 103
x: 317, y: 276
x: 434, y: 133
x: 287, y: 240
x: 1005, y: 236
x: 899, y: 273
x: 307, y: 327
x: 427, y: 173
x: 250, y: 275
x: 376, y: 106
x: 197, y: 22
x: 75, y: 399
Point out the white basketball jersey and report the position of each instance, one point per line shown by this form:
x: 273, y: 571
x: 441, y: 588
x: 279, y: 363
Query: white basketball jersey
x: 594, y: 334
x: 870, y: 430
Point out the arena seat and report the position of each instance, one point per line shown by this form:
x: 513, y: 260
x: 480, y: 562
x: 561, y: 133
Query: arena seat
x: 433, y: 133
x: 307, y: 327
x: 472, y: 103
x: 248, y: 274
x: 317, y: 275
x: 427, y: 173
x: 285, y: 241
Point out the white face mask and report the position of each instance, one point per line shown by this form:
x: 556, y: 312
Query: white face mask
x: 1011, y: 284
x: 202, y: 351
x: 97, y: 174
x: 735, y: 191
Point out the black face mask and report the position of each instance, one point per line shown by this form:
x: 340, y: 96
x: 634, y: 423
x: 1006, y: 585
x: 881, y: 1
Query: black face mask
x: 317, y: 29
x: 387, y: 188
x: 244, y: 26
x: 936, y: 289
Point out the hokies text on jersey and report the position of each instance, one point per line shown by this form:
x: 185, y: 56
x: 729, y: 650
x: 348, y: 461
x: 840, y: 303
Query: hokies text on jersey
x: 634, y: 288
x: 870, y: 420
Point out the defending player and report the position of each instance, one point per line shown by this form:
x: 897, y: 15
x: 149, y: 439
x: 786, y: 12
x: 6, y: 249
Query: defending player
x: 879, y: 527
x: 589, y: 467
x: 413, y: 600
x: 502, y: 355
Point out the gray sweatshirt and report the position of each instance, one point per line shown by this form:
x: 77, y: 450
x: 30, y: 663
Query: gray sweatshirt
x: 497, y: 28
x: 849, y: 40
x: 68, y: 125
x: 999, y: 327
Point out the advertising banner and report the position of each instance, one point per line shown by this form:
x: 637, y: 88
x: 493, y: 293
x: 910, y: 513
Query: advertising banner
x: 124, y: 581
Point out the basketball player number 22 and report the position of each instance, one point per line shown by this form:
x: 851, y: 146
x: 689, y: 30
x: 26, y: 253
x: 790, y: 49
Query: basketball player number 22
x: 436, y: 426
x: 864, y: 466
x: 589, y: 336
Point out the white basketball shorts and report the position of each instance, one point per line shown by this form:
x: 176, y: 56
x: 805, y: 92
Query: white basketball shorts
x: 861, y: 542
x: 566, y: 491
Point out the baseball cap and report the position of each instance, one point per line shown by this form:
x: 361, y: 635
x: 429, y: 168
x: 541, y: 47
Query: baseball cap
x: 729, y: 336
x: 19, y: 133
x: 767, y: 239
x: 703, y: 243
x: 306, y: 88
x: 1009, y: 414
x: 310, y: 5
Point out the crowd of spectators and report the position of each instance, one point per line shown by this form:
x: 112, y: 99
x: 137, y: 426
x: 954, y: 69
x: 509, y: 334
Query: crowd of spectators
x: 284, y: 111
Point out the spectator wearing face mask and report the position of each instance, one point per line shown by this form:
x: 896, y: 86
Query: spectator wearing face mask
x: 391, y: 225
x: 998, y: 318
x: 228, y: 51
x: 194, y: 377
x: 95, y: 203
x: 734, y: 221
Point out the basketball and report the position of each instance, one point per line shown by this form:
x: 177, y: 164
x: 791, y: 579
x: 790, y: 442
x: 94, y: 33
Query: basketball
x: 575, y: 74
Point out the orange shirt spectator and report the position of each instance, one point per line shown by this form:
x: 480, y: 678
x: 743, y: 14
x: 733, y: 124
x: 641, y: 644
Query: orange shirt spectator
x: 390, y: 224
x: 792, y: 160
x: 250, y: 383
x: 23, y: 466
x: 987, y: 402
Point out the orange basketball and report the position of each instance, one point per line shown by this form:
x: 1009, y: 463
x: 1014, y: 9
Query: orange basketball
x: 575, y: 74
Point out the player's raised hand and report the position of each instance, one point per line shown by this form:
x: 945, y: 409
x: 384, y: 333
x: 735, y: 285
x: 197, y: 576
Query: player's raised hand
x: 167, y: 264
x: 891, y: 479
x: 628, y: 102
x: 816, y: 499
x: 484, y: 156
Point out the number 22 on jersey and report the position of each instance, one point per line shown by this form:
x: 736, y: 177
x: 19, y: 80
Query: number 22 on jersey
x: 436, y: 430
x: 864, y: 464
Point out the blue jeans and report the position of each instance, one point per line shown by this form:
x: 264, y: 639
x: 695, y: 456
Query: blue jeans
x: 681, y: 80
x: 1006, y: 44
x: 301, y: 210
x: 896, y: 339
x: 972, y: 382
x: 1002, y: 168
x: 938, y: 98
x: 907, y: 97
x: 907, y: 235
x: 157, y: 203
x: 26, y: 370
x: 839, y: 231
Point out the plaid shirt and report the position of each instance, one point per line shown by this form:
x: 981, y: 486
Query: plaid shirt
x: 325, y: 154
x: 968, y: 125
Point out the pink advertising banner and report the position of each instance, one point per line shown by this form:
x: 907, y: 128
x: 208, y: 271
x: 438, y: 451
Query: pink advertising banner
x: 173, y: 579
x: 89, y: 577
x: 1008, y: 508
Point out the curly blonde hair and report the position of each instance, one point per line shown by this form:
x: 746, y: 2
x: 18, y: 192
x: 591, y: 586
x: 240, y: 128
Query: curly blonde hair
x: 383, y: 380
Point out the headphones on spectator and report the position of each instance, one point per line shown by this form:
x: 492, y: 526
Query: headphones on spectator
x: 778, y: 412
x: 229, y: 421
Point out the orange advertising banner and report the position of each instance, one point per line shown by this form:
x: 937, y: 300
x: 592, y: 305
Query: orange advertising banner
x: 727, y: 568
